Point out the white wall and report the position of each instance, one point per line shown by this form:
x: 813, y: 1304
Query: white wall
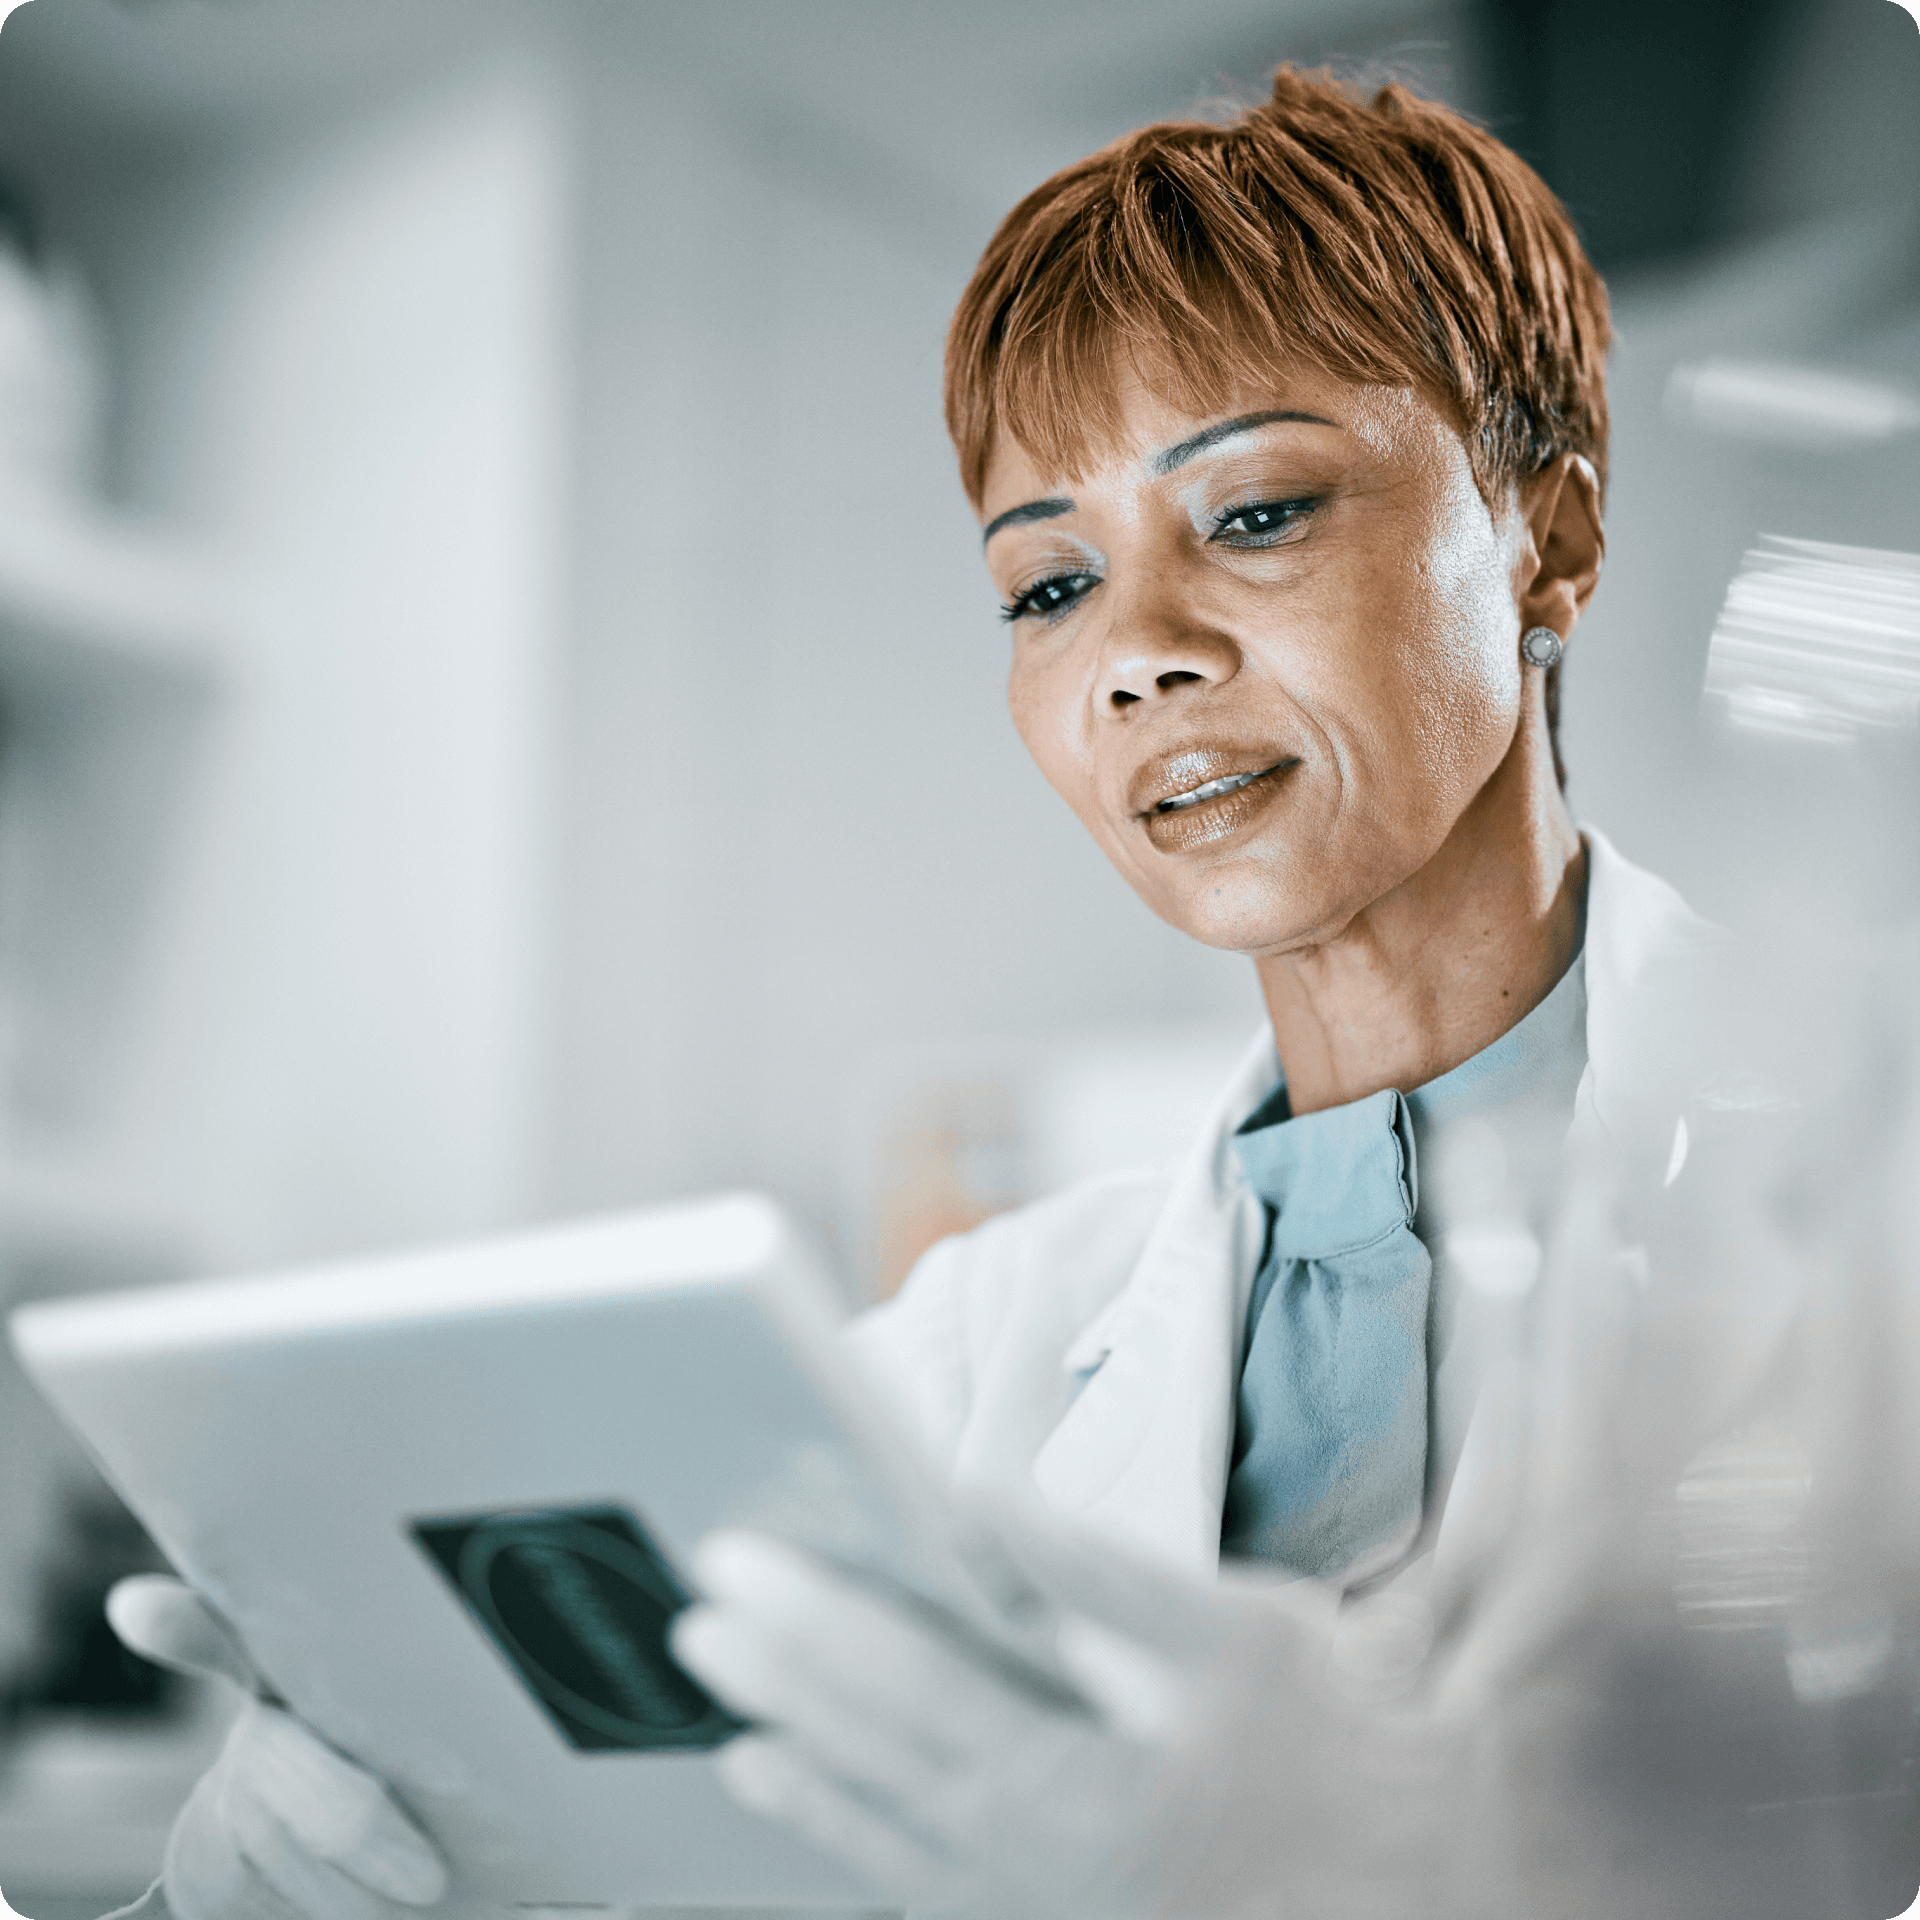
x: 349, y: 373
x: 800, y: 831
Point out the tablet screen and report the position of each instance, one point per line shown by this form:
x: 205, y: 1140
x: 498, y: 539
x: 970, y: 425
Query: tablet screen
x: 578, y: 1600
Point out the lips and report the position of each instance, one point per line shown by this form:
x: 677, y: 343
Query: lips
x: 1202, y: 795
x: 1211, y: 790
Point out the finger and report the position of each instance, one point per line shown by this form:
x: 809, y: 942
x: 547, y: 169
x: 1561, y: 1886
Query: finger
x: 768, y: 1777
x: 205, y: 1876
x: 965, y: 1802
x: 1140, y: 1692
x: 765, y: 1678
x: 163, y: 1620
x: 338, y: 1813
x: 835, y: 1637
x: 312, y: 1887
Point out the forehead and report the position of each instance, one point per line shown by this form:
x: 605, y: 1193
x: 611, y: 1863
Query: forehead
x: 1148, y: 434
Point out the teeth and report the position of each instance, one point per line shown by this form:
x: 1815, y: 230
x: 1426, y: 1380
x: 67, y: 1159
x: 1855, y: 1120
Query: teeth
x: 1231, y: 784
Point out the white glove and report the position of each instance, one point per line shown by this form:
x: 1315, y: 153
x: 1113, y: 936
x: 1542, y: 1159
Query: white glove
x: 950, y: 1781
x: 280, y: 1826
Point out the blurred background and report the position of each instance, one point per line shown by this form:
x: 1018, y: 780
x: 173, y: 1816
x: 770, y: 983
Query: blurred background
x: 500, y: 711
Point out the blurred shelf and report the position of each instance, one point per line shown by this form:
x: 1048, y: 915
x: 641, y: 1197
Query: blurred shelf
x: 117, y: 637
x: 77, y: 581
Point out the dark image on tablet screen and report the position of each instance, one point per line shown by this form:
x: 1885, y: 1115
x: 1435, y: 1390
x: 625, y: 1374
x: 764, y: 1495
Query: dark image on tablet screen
x: 578, y: 1601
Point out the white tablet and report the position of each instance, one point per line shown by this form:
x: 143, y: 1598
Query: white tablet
x: 447, y: 1500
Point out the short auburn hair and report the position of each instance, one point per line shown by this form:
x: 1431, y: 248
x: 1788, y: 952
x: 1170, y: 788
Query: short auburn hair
x: 1385, y: 240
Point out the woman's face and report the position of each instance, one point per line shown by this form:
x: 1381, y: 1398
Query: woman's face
x: 1270, y: 655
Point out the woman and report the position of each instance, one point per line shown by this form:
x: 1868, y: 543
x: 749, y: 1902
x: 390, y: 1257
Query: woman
x: 1288, y: 441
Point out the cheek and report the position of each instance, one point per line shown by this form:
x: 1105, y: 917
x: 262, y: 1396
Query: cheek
x: 1047, y: 714
x: 1459, y: 679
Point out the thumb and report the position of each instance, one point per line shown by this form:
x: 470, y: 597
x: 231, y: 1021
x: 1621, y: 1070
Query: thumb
x: 163, y: 1620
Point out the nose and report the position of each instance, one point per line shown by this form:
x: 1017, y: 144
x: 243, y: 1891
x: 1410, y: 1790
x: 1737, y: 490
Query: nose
x: 1158, y: 649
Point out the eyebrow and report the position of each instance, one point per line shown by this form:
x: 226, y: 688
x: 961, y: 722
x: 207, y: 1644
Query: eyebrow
x: 1182, y: 451
x: 1020, y: 516
x: 1174, y: 456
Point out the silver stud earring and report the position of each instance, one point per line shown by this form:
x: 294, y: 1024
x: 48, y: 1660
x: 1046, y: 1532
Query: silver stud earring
x: 1541, y: 647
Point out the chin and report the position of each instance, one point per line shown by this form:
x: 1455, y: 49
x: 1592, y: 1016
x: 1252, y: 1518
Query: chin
x: 1245, y: 912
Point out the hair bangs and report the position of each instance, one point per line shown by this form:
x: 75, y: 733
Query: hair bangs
x: 1139, y: 290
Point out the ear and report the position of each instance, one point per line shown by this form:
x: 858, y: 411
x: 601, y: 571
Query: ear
x: 1562, y: 544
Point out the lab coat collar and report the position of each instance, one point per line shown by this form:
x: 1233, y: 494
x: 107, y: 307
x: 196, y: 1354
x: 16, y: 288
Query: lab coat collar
x: 1644, y: 947
x: 1143, y: 1452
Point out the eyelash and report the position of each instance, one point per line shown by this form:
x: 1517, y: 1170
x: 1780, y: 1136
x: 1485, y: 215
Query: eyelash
x: 1293, y: 510
x: 1024, y: 606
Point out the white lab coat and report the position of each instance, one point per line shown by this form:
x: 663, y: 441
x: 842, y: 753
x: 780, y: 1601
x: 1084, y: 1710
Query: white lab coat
x: 1091, y: 1342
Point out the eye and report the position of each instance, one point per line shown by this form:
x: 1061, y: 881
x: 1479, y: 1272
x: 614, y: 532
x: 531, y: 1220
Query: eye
x: 1049, y: 597
x: 1261, y: 523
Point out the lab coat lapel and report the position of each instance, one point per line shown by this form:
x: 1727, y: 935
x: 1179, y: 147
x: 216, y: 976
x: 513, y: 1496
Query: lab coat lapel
x: 1645, y: 949
x: 1142, y: 1454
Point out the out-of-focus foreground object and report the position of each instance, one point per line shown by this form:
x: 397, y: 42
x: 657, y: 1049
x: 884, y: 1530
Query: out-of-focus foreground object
x: 1703, y: 1667
x: 1818, y: 642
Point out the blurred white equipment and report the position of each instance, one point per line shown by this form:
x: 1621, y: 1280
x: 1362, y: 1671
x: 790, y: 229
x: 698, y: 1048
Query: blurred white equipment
x: 1784, y: 404
x: 443, y: 1498
x: 1817, y: 642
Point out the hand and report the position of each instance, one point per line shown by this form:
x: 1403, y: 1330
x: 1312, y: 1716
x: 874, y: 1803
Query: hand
x: 943, y: 1778
x: 1196, y: 1712
x: 281, y: 1825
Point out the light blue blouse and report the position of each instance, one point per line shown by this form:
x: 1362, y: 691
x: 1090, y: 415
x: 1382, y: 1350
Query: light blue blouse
x: 1366, y: 1340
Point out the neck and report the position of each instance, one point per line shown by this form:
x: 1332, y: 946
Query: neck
x: 1443, y: 965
